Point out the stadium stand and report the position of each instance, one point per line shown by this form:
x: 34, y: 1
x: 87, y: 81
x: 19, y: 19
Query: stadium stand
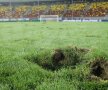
x: 57, y: 9
x: 95, y: 9
x: 19, y: 11
x: 75, y: 9
x: 3, y: 11
x: 36, y: 11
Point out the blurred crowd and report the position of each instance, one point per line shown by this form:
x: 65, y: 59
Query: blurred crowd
x: 95, y: 9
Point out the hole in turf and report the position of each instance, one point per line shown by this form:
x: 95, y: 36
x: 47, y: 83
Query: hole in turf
x: 57, y: 56
x: 99, y: 68
x: 97, y: 71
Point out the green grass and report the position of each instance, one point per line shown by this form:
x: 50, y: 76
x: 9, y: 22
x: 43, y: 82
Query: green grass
x: 22, y: 39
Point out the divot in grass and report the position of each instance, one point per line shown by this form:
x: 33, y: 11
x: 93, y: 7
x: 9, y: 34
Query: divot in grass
x: 99, y: 68
x: 58, y: 58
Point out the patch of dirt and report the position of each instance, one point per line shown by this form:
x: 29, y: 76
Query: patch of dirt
x: 99, y: 68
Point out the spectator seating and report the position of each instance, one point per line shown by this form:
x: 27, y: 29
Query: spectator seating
x: 3, y: 11
x: 57, y: 9
x: 36, y: 11
x: 75, y: 10
x: 19, y: 11
x: 96, y: 9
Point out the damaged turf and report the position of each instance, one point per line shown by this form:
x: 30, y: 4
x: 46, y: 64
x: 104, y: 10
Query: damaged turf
x: 69, y: 56
x: 58, y: 58
x: 99, y: 68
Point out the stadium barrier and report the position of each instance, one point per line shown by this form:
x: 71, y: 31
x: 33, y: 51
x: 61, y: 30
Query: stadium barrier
x: 14, y: 19
x: 78, y: 19
x: 82, y: 20
x: 86, y: 19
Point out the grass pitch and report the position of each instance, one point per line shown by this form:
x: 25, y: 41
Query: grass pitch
x: 21, y: 39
